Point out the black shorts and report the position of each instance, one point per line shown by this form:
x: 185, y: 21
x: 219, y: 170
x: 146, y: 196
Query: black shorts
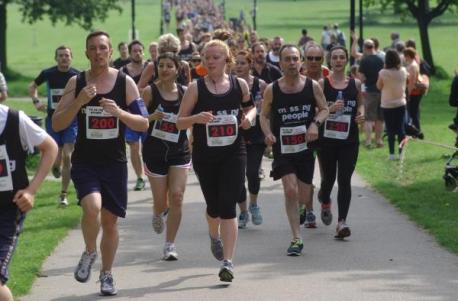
x: 159, y: 167
x: 11, y: 221
x: 302, y: 166
x: 109, y: 180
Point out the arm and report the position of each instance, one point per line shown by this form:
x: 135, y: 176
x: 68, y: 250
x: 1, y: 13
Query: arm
x: 147, y: 75
x: 380, y: 80
x: 322, y: 114
x: 25, y: 198
x: 147, y: 96
x: 264, y: 118
x: 33, y: 93
x: 412, y: 78
x: 359, y: 100
x: 3, y: 88
x: 249, y: 112
x: 354, y: 47
x: 185, y: 119
x: 133, y: 120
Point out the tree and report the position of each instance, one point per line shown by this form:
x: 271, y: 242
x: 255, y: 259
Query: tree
x: 423, y: 13
x: 80, y: 12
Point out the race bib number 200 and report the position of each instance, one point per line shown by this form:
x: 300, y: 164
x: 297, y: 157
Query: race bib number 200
x: 222, y: 131
x: 100, y: 124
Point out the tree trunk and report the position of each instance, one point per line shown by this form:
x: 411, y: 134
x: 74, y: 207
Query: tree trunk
x: 425, y: 44
x: 3, y: 62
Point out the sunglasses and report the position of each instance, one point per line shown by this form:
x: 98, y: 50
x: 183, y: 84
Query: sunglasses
x: 314, y: 58
x: 196, y: 60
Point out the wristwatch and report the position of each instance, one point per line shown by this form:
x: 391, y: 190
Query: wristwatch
x: 317, y: 122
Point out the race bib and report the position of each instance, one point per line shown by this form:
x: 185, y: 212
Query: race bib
x: 166, y: 129
x: 56, y: 95
x: 100, y: 125
x: 222, y: 131
x: 337, y: 127
x: 293, y: 139
x: 6, y: 179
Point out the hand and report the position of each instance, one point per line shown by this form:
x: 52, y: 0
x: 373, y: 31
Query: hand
x: 41, y: 107
x: 270, y: 139
x: 359, y: 118
x: 203, y: 117
x: 157, y: 115
x: 86, y: 94
x: 245, y: 122
x: 110, y: 107
x: 312, y: 133
x: 353, y: 35
x: 337, y: 106
x: 24, y: 199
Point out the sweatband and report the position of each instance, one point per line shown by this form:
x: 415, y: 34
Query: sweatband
x: 138, y: 107
x: 248, y: 103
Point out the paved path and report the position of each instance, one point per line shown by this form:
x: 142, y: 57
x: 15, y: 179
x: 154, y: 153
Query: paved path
x: 387, y: 258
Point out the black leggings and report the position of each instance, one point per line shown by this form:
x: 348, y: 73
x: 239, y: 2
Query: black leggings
x: 340, y: 160
x: 221, y: 183
x: 413, y: 107
x: 394, y: 123
x: 254, y: 153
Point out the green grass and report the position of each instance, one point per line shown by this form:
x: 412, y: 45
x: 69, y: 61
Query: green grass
x: 416, y: 187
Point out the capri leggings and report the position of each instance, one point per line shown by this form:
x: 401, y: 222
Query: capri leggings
x: 222, y: 183
x: 254, y: 160
x: 341, y: 161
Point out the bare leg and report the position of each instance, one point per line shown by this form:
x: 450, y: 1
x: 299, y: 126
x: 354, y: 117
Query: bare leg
x: 159, y: 189
x: 5, y: 293
x: 290, y: 189
x: 177, y: 183
x: 66, y: 165
x: 136, y: 158
x: 229, y: 233
x: 110, y: 239
x: 91, y: 204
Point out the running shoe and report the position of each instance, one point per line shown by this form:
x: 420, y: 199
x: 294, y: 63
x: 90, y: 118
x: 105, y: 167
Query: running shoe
x: 216, y: 246
x: 158, y: 222
x: 310, y: 219
x: 342, y: 230
x: 301, y: 215
x: 139, y: 185
x: 63, y: 201
x: 256, y: 216
x: 295, y: 248
x: 56, y: 172
x: 226, y: 272
x: 107, y: 287
x: 170, y: 252
x: 326, y: 214
x: 244, y: 218
x: 83, y: 269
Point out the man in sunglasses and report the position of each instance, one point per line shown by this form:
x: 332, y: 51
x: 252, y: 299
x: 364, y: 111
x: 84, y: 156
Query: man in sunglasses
x: 313, y: 63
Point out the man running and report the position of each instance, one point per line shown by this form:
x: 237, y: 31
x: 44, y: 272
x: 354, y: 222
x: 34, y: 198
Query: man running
x: 99, y: 98
x: 294, y: 107
x: 265, y: 71
x: 56, y: 78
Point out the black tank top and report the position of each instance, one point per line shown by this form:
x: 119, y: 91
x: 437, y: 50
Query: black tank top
x: 136, y: 78
x: 350, y: 96
x: 100, y: 151
x: 156, y: 147
x: 17, y: 156
x: 291, y: 110
x: 219, y: 104
x: 186, y: 54
x: 254, y: 135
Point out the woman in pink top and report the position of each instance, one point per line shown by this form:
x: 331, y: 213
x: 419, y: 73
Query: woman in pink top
x: 391, y: 82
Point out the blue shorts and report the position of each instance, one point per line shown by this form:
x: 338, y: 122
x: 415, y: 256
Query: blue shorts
x: 11, y: 221
x: 65, y: 136
x: 133, y: 136
x: 109, y: 180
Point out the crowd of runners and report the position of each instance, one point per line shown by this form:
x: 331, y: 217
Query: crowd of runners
x: 215, y: 98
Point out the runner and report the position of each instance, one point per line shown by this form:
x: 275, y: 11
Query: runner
x: 166, y: 151
x: 212, y: 106
x: 134, y: 69
x: 16, y: 193
x: 339, y: 139
x: 56, y: 78
x: 265, y: 71
x: 254, y: 140
x: 123, y: 58
x: 290, y: 123
x: 3, y: 88
x: 99, y: 98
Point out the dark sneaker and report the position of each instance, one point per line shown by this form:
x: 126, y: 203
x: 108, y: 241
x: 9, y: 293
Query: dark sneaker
x: 244, y: 218
x: 107, y: 287
x: 256, y: 216
x: 170, y: 252
x: 301, y: 215
x: 226, y: 272
x: 326, y: 214
x: 139, y: 185
x: 56, y: 172
x: 83, y: 269
x: 310, y: 219
x: 342, y: 230
x: 216, y: 246
x: 295, y: 248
